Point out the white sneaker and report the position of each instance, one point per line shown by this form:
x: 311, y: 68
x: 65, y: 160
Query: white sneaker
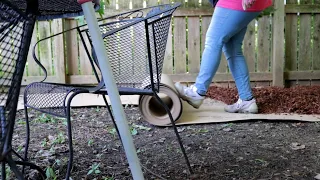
x: 243, y: 107
x: 190, y: 95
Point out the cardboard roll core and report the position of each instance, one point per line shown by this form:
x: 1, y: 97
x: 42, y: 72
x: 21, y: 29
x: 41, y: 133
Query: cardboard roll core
x: 153, y: 111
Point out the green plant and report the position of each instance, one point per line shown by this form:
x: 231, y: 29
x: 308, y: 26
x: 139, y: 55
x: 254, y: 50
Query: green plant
x: 59, y: 139
x: 8, y: 172
x: 98, y: 109
x: 21, y: 121
x: 133, y: 131
x: 112, y: 131
x: 50, y: 173
x: 43, y: 118
x: 108, y: 178
x: 90, y: 142
x: 141, y: 127
x: 44, y: 142
x: 94, y: 169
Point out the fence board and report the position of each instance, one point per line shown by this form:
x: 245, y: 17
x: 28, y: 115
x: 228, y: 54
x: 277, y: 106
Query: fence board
x: 291, y: 39
x: 193, y: 3
x: 165, y: 1
x: 72, y: 47
x: 223, y: 67
x: 305, y: 39
x: 316, y: 41
x: 45, y: 46
x: 180, y: 44
x: 194, y: 44
x: 305, y: 42
x: 204, y: 28
x: 278, y: 44
x: 85, y: 65
x: 291, y: 36
x: 316, y: 44
x: 58, y: 51
x: 249, y: 46
x: 263, y: 58
x: 33, y: 68
x: 152, y: 3
x: 205, y: 3
x: 183, y: 3
x: 264, y: 46
x: 123, y: 4
x: 137, y: 4
x: 168, y: 59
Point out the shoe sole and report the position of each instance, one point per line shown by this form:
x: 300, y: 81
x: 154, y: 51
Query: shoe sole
x: 186, y: 99
x: 189, y: 102
x: 244, y: 111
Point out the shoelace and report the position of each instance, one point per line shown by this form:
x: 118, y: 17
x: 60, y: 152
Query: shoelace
x: 238, y: 103
x: 191, y: 89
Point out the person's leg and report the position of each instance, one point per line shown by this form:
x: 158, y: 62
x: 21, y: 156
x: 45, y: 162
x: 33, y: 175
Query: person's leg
x: 224, y: 25
x: 238, y: 65
x: 239, y: 69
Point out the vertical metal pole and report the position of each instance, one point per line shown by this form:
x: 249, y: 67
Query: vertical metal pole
x: 112, y: 89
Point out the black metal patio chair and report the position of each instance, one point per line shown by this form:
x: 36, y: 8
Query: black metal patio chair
x: 135, y: 42
x: 16, y: 29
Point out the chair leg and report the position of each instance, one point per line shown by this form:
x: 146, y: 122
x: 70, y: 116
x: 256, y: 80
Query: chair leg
x: 68, y: 113
x: 32, y: 166
x: 26, y: 148
x: 14, y: 167
x: 70, y: 142
x: 3, y: 170
x: 176, y: 132
x: 112, y: 117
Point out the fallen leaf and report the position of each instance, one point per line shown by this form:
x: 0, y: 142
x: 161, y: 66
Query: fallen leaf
x: 161, y: 140
x: 181, y: 129
x: 227, y: 129
x: 297, y: 146
x: 317, y: 177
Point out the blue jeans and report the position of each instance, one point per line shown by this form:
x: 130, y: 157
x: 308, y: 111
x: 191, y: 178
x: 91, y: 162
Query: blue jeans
x: 226, y: 33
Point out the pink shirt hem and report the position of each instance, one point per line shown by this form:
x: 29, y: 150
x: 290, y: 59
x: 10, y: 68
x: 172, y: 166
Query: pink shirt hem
x: 260, y: 5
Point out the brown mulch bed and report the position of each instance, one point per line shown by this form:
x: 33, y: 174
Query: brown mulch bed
x: 299, y: 99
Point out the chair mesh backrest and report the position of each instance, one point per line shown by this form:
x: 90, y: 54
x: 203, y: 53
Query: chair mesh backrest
x: 15, y: 32
x: 128, y: 51
x: 50, y: 9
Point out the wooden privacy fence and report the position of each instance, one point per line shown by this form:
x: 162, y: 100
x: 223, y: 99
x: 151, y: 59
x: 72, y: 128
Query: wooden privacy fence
x: 281, y: 49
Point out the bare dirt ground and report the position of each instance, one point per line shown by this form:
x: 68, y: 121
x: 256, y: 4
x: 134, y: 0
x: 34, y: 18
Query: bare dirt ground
x: 242, y: 150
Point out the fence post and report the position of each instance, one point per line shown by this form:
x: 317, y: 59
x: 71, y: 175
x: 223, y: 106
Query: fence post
x: 278, y: 57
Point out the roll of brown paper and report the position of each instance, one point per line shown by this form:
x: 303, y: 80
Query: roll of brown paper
x: 152, y: 110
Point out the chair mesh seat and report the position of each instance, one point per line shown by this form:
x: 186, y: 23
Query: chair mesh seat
x: 49, y: 98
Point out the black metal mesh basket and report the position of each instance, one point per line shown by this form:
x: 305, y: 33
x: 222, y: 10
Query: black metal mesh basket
x: 136, y: 44
x: 15, y: 34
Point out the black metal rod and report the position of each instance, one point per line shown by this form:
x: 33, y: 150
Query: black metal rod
x: 26, y: 147
x: 112, y: 117
x: 3, y: 172
x: 70, y: 131
x: 176, y: 132
x: 69, y: 137
x: 32, y: 166
x: 149, y: 55
x: 14, y: 167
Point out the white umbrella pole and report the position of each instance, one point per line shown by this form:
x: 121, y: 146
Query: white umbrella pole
x: 112, y: 89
